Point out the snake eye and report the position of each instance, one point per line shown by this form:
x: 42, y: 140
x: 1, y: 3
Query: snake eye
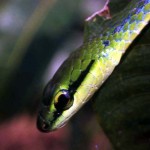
x: 63, y: 100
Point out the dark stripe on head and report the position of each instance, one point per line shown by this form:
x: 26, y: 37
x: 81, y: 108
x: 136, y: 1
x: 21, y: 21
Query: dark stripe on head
x: 72, y: 89
x: 56, y: 115
x: 74, y: 86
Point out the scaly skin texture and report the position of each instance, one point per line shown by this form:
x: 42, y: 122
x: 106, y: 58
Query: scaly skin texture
x: 88, y: 67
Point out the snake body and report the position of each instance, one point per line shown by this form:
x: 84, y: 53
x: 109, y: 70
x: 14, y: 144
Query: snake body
x: 89, y: 66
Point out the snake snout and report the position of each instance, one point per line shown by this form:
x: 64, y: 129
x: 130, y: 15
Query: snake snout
x: 42, y: 124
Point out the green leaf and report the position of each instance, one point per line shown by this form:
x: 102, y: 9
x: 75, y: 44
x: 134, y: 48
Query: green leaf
x: 123, y: 103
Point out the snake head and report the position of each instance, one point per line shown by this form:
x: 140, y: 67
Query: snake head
x: 54, y: 109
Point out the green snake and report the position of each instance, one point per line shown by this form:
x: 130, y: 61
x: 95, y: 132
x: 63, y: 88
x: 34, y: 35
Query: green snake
x: 87, y: 68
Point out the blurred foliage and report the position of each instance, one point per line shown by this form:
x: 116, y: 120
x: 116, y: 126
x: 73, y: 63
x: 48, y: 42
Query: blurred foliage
x: 117, y: 5
x: 30, y: 33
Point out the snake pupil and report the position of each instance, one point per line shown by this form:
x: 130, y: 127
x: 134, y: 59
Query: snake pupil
x: 64, y: 101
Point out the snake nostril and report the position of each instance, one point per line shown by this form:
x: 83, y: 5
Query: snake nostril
x: 42, y: 125
x: 45, y: 127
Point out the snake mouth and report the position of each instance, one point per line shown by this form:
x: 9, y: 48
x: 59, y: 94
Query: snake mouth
x: 42, y: 124
x: 46, y: 125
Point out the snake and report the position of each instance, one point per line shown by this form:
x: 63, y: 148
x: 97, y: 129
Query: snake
x: 88, y: 67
